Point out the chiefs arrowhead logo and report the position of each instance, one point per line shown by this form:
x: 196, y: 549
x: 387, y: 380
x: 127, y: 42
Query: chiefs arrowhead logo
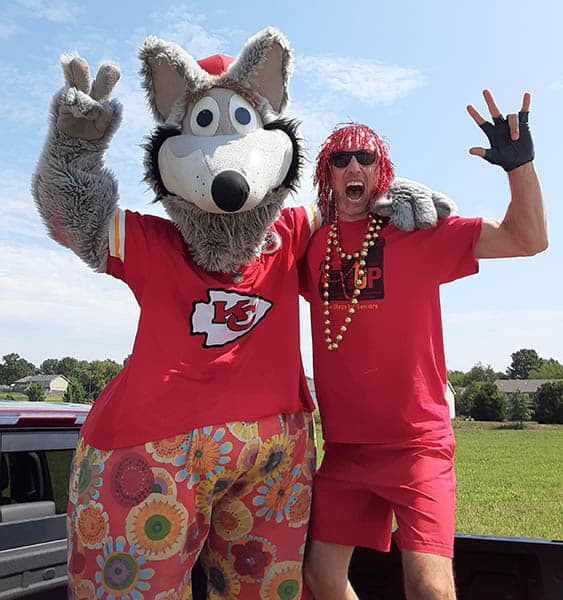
x: 227, y: 316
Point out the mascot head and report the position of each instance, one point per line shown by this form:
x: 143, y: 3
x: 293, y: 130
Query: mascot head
x: 223, y: 158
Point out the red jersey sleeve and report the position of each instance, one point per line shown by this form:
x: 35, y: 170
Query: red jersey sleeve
x: 133, y: 239
x: 303, y: 221
x: 451, y: 248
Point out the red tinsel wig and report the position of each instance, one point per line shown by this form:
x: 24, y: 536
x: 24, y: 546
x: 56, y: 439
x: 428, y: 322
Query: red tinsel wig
x: 352, y: 136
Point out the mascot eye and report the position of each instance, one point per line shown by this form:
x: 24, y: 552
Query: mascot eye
x: 205, y: 117
x: 243, y: 117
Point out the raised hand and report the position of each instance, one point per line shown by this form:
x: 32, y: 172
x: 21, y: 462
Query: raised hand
x: 510, y: 138
x: 84, y: 109
x: 75, y: 193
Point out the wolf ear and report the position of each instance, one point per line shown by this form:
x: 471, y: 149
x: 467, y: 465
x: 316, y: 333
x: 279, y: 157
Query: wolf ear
x: 265, y: 66
x: 168, y: 72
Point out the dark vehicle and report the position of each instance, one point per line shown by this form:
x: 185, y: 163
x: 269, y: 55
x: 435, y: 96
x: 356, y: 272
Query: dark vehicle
x: 37, y: 441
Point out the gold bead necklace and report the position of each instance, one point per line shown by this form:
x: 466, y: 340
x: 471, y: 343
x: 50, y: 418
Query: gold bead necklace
x: 333, y: 243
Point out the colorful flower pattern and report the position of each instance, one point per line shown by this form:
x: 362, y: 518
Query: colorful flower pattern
x: 156, y: 527
x: 252, y: 557
x: 139, y: 514
x: 121, y: 573
x: 163, y: 483
x: 167, y: 450
x: 206, y: 457
x: 83, y: 590
x: 222, y: 581
x: 89, y: 476
x: 299, y: 506
x: 233, y: 520
x: 132, y: 479
x: 243, y: 431
x: 92, y: 525
x: 275, y: 455
x: 283, y: 582
x: 276, y: 495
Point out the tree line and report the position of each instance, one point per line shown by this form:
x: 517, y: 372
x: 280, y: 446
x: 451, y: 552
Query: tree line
x: 86, y: 378
x: 478, y: 397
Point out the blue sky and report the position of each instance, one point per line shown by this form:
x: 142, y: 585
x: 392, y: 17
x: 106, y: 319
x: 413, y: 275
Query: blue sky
x: 406, y: 68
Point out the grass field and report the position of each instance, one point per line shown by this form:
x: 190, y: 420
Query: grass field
x: 509, y: 481
x: 12, y: 396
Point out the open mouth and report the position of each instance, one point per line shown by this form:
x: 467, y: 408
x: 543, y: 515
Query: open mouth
x: 354, y: 190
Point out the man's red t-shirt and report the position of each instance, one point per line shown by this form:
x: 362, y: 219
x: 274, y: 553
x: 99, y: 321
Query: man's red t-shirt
x: 386, y: 381
x: 208, y: 349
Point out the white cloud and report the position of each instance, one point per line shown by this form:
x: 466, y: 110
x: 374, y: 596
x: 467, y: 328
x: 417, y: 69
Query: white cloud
x: 56, y: 12
x: 369, y: 81
x: 17, y: 211
x: 26, y: 100
x: 185, y: 28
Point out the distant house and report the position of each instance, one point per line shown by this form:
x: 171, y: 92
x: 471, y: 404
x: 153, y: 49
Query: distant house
x: 53, y: 385
x: 450, y: 398
x: 526, y: 386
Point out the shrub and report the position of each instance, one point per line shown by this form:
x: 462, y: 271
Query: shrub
x: 549, y: 403
x: 489, y: 403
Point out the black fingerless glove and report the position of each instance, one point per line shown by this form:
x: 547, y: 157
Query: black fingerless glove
x: 505, y: 151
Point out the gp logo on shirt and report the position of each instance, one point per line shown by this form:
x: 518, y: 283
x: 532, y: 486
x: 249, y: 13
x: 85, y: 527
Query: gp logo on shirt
x: 342, y: 281
x: 227, y: 316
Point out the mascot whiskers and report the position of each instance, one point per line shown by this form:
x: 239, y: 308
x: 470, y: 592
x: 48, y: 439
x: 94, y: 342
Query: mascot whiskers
x: 203, y: 443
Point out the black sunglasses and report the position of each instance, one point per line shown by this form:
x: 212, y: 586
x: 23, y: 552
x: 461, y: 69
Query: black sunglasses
x: 342, y: 159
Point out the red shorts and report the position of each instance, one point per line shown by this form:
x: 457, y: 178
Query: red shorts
x: 360, y: 486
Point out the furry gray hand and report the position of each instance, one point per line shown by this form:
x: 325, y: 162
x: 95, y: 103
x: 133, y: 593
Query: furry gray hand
x: 411, y: 205
x: 84, y: 109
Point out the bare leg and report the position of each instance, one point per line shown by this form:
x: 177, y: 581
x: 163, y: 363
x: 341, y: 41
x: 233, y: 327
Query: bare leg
x: 428, y: 576
x: 326, y: 571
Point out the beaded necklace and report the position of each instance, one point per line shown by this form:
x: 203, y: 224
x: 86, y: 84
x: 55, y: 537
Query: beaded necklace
x: 333, y: 243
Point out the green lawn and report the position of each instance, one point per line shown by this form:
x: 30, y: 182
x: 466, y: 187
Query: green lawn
x: 12, y: 396
x: 59, y: 466
x: 509, y: 481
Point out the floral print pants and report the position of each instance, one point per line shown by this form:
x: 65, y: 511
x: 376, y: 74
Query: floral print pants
x: 238, y: 494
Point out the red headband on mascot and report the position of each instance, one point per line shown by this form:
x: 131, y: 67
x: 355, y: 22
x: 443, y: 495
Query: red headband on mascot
x: 350, y: 137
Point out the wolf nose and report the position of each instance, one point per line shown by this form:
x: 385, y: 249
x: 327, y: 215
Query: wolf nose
x: 229, y: 190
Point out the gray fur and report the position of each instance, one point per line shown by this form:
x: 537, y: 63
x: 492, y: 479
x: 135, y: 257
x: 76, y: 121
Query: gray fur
x: 224, y: 242
x: 411, y: 205
x: 250, y: 61
x: 75, y: 71
x: 177, y: 59
x: 75, y: 193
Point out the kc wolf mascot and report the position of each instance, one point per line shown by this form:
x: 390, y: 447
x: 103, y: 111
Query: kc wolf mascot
x: 203, y: 443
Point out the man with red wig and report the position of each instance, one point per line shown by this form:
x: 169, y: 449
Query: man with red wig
x: 379, y: 367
